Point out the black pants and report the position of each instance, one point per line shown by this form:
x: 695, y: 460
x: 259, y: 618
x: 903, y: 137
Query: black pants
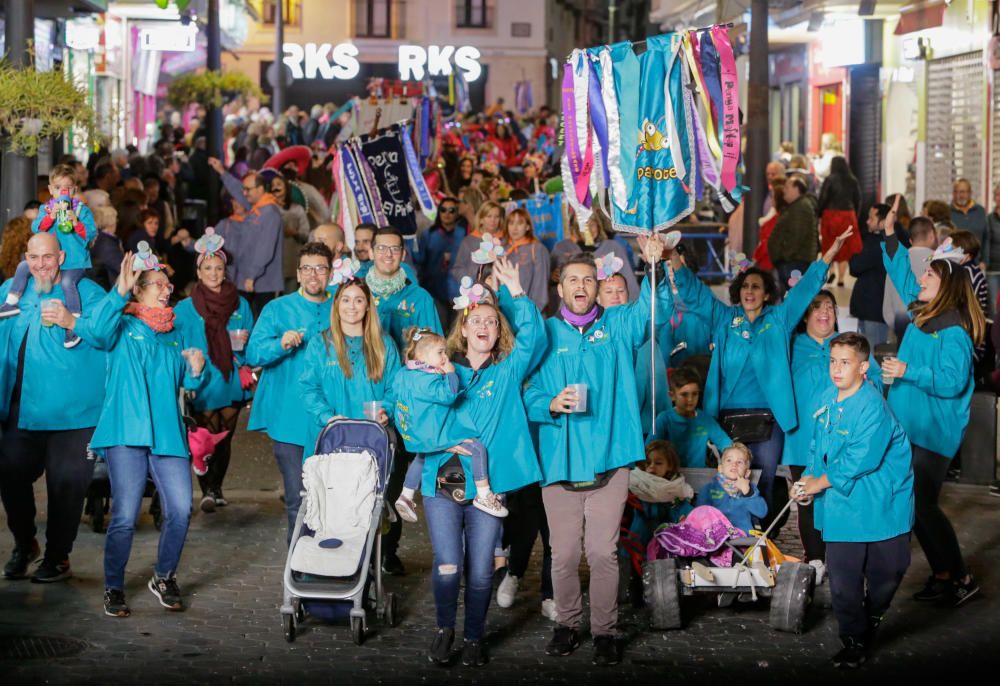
x: 390, y: 540
x: 525, y: 521
x: 880, y: 564
x: 62, y: 457
x: 933, y: 529
x: 217, y: 421
x: 812, y: 540
x: 257, y: 301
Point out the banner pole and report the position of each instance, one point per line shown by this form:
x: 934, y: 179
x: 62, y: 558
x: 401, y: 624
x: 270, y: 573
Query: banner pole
x: 652, y: 347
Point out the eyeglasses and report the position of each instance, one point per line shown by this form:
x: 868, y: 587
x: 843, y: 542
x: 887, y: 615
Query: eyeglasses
x: 394, y: 249
x: 159, y: 285
x: 488, y: 322
x: 313, y: 269
x: 450, y: 209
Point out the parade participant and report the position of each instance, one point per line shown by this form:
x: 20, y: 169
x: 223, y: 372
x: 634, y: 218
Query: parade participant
x: 931, y: 394
x: 531, y: 257
x: 860, y: 475
x: 661, y: 491
x: 596, y: 240
x: 810, y: 361
x: 684, y: 426
x: 216, y: 319
x: 277, y: 345
x: 490, y: 219
x: 141, y: 431
x: 731, y: 492
x: 47, y: 422
x: 364, y: 236
x: 353, y: 362
x: 72, y: 223
x: 439, y: 246
x: 492, y: 364
x: 585, y: 448
x: 261, y: 251
x: 749, y: 379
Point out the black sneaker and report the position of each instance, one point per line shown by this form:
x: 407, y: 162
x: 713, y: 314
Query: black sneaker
x: 440, y: 651
x: 474, y: 654
x: 208, y: 502
x: 851, y: 656
x: 873, y: 624
x: 49, y: 572
x: 963, y: 591
x: 114, y: 603
x: 995, y: 489
x: 564, y: 641
x: 934, y: 589
x: 20, y: 558
x: 605, y: 650
x: 392, y: 565
x: 220, y: 501
x: 167, y: 592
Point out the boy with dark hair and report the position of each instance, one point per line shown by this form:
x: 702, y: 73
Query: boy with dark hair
x: 861, y: 476
x: 683, y: 425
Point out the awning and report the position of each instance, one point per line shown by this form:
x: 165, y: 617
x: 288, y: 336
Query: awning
x: 926, y: 16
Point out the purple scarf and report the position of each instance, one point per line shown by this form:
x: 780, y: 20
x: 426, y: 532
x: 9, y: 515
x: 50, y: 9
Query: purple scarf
x: 578, y: 320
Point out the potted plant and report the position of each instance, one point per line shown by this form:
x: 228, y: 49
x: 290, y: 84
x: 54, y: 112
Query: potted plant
x: 36, y: 105
x: 211, y: 88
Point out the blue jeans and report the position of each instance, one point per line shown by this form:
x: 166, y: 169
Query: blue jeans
x: 127, y: 469
x: 289, y: 459
x: 68, y: 279
x: 877, y: 333
x: 462, y: 537
x: 479, y: 465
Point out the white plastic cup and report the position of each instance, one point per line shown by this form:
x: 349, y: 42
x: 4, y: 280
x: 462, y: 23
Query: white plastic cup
x: 887, y: 380
x: 581, y: 396
x: 372, y: 408
x: 48, y: 304
x: 236, y: 339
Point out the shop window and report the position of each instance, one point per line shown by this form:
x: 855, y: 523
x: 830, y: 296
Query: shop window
x: 378, y: 18
x: 473, y: 14
x: 291, y: 11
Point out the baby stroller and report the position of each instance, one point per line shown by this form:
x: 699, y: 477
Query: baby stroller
x: 329, y: 571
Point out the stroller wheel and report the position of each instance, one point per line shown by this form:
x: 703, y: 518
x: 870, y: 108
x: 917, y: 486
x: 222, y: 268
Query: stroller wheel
x: 300, y: 613
x: 357, y: 630
x: 288, y: 622
x: 391, y: 610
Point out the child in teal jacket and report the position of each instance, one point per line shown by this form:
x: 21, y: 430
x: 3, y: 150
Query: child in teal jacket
x: 731, y: 491
x: 684, y: 425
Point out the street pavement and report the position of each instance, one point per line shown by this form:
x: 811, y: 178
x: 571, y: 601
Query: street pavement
x: 231, y: 632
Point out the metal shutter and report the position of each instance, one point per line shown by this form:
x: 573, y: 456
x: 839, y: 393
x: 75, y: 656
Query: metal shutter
x: 865, y: 150
x: 955, y: 131
x: 995, y: 130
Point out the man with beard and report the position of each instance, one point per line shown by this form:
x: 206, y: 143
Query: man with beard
x: 50, y: 400
x: 278, y: 344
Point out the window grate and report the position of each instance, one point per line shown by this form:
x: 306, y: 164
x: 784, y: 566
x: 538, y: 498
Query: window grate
x: 955, y: 126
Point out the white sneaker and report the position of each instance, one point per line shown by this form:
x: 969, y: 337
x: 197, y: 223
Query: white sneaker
x: 490, y: 504
x: 820, y: 568
x: 549, y: 609
x: 406, y: 508
x: 507, y: 590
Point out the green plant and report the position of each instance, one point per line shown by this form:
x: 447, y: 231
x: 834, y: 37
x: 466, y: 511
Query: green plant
x: 36, y: 105
x: 209, y: 87
x: 181, y: 4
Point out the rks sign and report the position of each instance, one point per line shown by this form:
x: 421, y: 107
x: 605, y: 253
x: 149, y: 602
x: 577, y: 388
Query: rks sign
x: 340, y: 61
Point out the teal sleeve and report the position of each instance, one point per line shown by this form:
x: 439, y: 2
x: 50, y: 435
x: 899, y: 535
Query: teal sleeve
x: 634, y: 316
x: 530, y: 338
x: 875, y: 374
x: 86, y: 218
x: 699, y: 298
x: 99, y: 325
x: 719, y: 437
x: 869, y: 440
x: 246, y: 319
x: 196, y: 383
x: 801, y: 295
x: 427, y: 315
x: 901, y: 274
x: 537, y: 399
x: 951, y: 372
x: 392, y: 367
x: 755, y: 503
x: 311, y: 380
x: 264, y: 348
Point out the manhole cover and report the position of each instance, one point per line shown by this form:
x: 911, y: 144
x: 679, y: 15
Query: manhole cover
x: 38, y: 647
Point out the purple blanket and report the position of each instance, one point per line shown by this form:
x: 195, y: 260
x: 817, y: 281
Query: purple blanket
x: 703, y: 532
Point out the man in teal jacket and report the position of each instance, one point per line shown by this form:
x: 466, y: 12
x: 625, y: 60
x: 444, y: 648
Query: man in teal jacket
x: 401, y: 304
x: 862, y: 479
x: 584, y: 452
x: 278, y: 344
x: 47, y: 421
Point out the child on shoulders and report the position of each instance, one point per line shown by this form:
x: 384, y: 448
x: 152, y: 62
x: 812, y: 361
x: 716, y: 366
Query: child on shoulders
x: 731, y: 491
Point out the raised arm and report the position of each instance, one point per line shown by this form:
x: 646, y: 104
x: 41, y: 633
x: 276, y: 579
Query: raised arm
x: 232, y: 185
x: 530, y: 338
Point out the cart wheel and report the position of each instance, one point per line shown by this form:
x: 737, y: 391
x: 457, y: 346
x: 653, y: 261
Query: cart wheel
x: 357, y: 630
x: 391, y: 610
x: 791, y: 596
x: 662, y: 595
x: 288, y: 622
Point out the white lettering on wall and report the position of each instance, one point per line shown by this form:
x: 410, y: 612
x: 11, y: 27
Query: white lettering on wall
x: 341, y: 61
x: 411, y: 62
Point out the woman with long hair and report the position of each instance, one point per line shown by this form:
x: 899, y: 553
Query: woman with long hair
x: 295, y: 225
x: 490, y: 220
x: 140, y: 431
x: 931, y: 393
x: 351, y: 363
x: 215, y: 318
x: 530, y: 255
x: 839, y: 204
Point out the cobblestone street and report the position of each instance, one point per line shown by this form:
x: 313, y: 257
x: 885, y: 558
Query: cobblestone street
x: 231, y: 632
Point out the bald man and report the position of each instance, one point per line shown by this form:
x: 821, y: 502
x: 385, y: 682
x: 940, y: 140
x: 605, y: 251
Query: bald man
x: 47, y: 422
x: 332, y: 236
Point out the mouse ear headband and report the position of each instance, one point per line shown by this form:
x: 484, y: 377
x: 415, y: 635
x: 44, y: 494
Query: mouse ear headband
x: 489, y: 250
x: 948, y: 252
x: 144, y: 260
x: 210, y: 245
x: 608, y: 266
x: 343, y: 270
x: 471, y: 295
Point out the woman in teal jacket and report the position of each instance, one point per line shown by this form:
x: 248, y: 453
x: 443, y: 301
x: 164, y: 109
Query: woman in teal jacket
x: 349, y: 364
x: 215, y: 318
x: 750, y: 372
x: 811, y: 382
x: 931, y: 394
x: 141, y: 430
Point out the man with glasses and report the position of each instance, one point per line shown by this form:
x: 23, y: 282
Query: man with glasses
x: 278, y: 345
x: 259, y: 271
x: 401, y: 305
x: 47, y: 422
x: 438, y: 247
x: 364, y: 234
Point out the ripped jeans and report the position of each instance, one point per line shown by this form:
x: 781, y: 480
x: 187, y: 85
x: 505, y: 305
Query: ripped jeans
x: 463, y: 539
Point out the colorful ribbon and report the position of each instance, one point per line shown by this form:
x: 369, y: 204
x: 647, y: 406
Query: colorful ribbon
x: 353, y: 181
x: 730, y: 108
x: 416, y: 177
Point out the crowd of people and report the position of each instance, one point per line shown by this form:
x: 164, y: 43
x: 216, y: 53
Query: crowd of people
x: 531, y: 368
